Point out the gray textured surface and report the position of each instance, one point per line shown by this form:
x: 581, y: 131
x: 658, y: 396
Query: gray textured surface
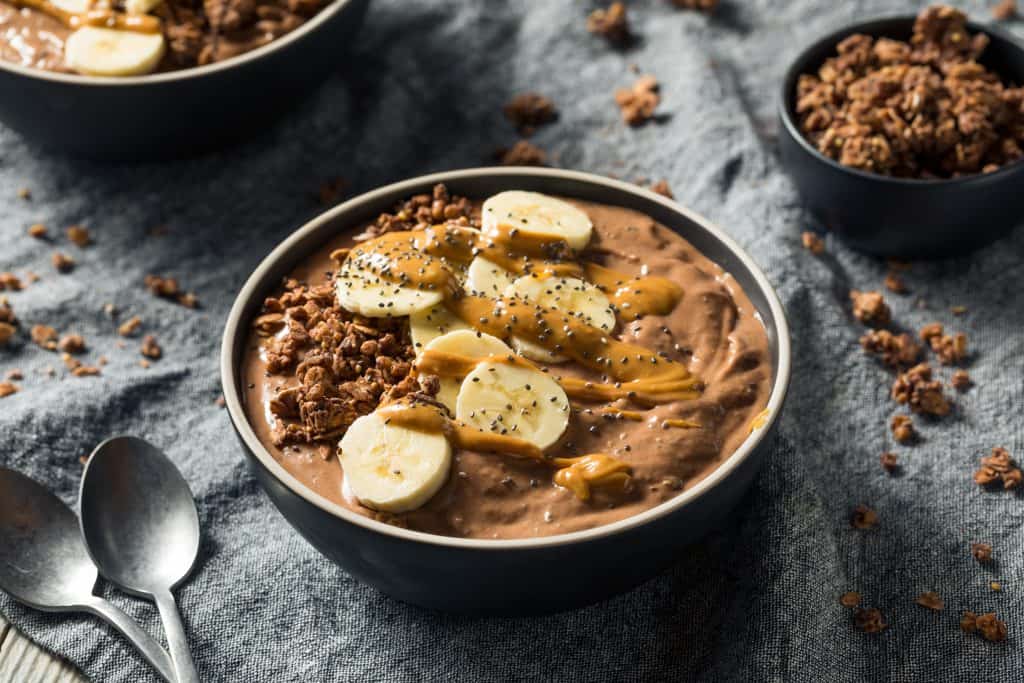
x: 758, y: 599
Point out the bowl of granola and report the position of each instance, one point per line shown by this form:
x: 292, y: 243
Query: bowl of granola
x: 145, y: 79
x: 505, y: 390
x: 904, y: 135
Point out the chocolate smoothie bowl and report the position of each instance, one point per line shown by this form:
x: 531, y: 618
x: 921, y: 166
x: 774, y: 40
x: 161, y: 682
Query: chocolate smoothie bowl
x: 505, y: 390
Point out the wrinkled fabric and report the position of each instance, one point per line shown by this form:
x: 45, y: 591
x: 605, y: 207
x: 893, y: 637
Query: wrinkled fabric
x: 758, y: 598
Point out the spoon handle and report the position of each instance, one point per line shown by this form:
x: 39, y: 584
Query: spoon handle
x: 145, y: 644
x: 184, y: 669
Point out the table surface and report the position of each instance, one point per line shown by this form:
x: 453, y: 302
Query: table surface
x: 23, y: 661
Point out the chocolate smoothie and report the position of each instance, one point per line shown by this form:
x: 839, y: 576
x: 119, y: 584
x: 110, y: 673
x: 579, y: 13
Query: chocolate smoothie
x: 708, y: 344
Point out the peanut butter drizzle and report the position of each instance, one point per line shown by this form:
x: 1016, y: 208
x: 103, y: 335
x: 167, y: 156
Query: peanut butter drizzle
x: 577, y: 474
x: 635, y: 297
x: 103, y: 17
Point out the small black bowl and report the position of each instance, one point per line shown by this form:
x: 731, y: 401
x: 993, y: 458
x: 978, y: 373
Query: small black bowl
x: 897, y: 217
x: 178, y: 113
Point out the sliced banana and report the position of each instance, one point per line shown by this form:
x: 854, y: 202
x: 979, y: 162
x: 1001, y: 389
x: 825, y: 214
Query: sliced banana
x: 486, y: 278
x: 141, y: 6
x: 515, y: 401
x: 391, y: 468
x: 538, y: 213
x: 534, y: 351
x: 72, y: 6
x: 99, y: 51
x: 466, y: 342
x: 362, y: 291
x: 431, y: 323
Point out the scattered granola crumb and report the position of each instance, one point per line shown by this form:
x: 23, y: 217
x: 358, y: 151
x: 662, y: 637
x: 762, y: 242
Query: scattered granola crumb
x: 996, y: 586
x: 44, y: 336
x: 895, y: 284
x: 960, y: 380
x: 863, y: 517
x: 870, y: 308
x: 70, y: 362
x: 662, y: 188
x: 130, y: 327
x: 950, y: 348
x: 528, y: 111
x: 916, y: 388
x: 706, y: 6
x: 219, y: 402
x: 38, y: 230
x: 168, y: 288
x: 958, y: 310
x: 8, y: 388
x: 1005, y: 9
x: 868, y: 620
x: 612, y: 24
x: 10, y: 281
x: 102, y: 361
x: 24, y: 193
x: 83, y: 459
x: 522, y: 153
x: 110, y: 310
x: 62, y: 262
x: 903, y: 428
x: 72, y: 343
x: 895, y: 350
x: 982, y: 552
x: 79, y: 235
x: 14, y: 375
x: 332, y: 190
x: 639, y: 102
x: 144, y: 364
x: 86, y: 371
x: 849, y: 599
x: 7, y: 332
x: 890, y: 462
x: 998, y: 467
x: 31, y: 277
x: 988, y: 625
x: 931, y: 600
x: 812, y: 242
x: 151, y: 348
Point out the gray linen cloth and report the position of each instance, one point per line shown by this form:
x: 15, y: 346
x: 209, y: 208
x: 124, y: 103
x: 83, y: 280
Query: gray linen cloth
x: 758, y: 598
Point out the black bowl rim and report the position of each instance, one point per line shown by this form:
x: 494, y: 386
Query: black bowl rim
x: 794, y: 71
x: 252, y: 288
x: 313, y: 24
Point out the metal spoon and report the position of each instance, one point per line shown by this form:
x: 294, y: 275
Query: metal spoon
x: 142, y: 530
x: 44, y: 564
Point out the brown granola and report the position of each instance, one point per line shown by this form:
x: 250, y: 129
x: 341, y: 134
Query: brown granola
x: 44, y: 336
x: 7, y: 388
x: 988, y: 625
x: 982, y: 552
x: 1005, y: 9
x: 79, y: 235
x: 863, y: 517
x: 931, y: 600
x: 870, y: 308
x: 38, y: 230
x: 895, y: 350
x: 903, y: 428
x: 611, y: 23
x: 662, y: 187
x: 168, y: 288
x: 950, y: 349
x: 924, y: 395
x: 522, y: 153
x: 529, y: 110
x: 868, y: 620
x: 7, y: 332
x: 10, y: 281
x: 895, y: 284
x: 889, y: 461
x: 72, y: 343
x: 423, y: 210
x: 920, y: 109
x: 849, y: 599
x: 86, y: 371
x: 812, y: 242
x: 998, y: 468
x: 639, y: 102
x: 14, y: 375
x: 62, y: 262
x: 151, y: 348
x: 960, y: 380
x: 129, y: 327
x: 706, y: 6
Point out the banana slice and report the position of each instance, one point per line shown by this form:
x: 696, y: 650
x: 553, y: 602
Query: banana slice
x: 538, y: 213
x: 99, y: 51
x: 391, y: 468
x: 141, y: 6
x: 486, y: 278
x: 466, y: 342
x: 513, y: 400
x: 431, y: 323
x: 72, y: 6
x: 362, y: 291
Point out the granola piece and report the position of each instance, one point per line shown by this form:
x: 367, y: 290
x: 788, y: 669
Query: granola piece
x: 931, y: 600
x: 612, y: 24
x: 151, y: 348
x: 168, y: 288
x: 870, y: 308
x: 895, y: 350
x: 72, y: 343
x: 916, y: 388
x: 813, y: 243
x: 958, y: 309
x: 998, y: 468
x: 960, y: 380
x: 70, y: 362
x: 1004, y: 9
x: 989, y: 626
x: 86, y: 371
x: 903, y: 428
x: 895, y: 284
x: 79, y: 235
x: 422, y: 210
x: 44, y: 336
x: 8, y: 388
x: 7, y: 313
x: 7, y: 332
x: 129, y: 327
x: 863, y: 517
x: 528, y: 111
x: 890, y: 462
x: 62, y: 262
x: 331, y: 191
x: 24, y: 193
x: 10, y: 281
x: 639, y: 102
x: 949, y: 348
x: 849, y: 599
x: 982, y: 552
x: 869, y: 620
x: 706, y: 6
x: 38, y: 231
x: 996, y: 586
x: 522, y: 153
x: 662, y: 187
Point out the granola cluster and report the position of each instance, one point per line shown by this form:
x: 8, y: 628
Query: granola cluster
x: 998, y: 469
x: 917, y: 389
x: 422, y: 211
x: 920, y: 109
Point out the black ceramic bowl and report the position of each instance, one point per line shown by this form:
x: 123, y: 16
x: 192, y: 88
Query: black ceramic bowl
x: 180, y: 112
x: 898, y: 217
x: 506, y: 576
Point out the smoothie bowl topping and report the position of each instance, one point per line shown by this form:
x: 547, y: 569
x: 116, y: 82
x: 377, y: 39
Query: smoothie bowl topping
x: 522, y: 366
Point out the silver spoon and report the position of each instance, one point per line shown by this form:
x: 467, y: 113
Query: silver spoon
x: 44, y: 564
x: 141, y: 528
